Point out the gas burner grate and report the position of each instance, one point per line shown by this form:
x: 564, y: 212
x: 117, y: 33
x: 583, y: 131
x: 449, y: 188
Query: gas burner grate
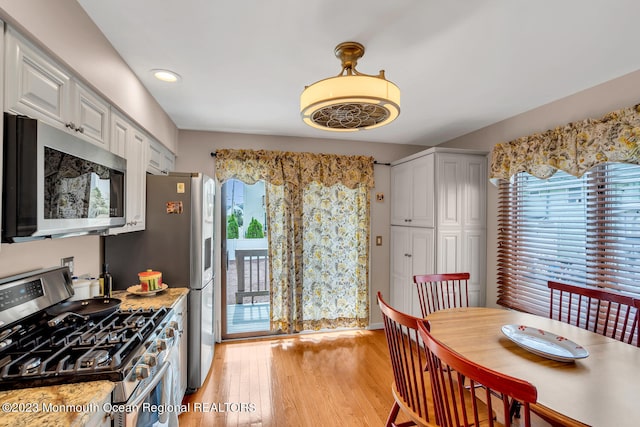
x: 100, y: 349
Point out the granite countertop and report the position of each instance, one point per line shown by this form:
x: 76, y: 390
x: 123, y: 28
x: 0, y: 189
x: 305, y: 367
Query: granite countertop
x: 40, y: 406
x: 166, y: 298
x: 46, y: 406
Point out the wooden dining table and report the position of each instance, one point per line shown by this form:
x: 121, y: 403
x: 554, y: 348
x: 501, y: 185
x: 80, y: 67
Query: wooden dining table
x: 601, y: 390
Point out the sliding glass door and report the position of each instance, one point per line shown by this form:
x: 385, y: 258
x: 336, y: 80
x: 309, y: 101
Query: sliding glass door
x: 245, y: 275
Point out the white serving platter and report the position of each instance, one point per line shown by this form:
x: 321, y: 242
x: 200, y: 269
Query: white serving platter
x: 544, y: 343
x: 137, y: 290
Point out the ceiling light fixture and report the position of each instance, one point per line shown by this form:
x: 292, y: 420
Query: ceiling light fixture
x: 351, y: 101
x: 166, y: 75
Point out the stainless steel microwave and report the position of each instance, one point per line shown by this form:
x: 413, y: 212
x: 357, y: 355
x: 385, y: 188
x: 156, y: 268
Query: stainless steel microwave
x: 55, y: 184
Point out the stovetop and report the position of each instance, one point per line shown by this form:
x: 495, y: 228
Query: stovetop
x: 33, y: 353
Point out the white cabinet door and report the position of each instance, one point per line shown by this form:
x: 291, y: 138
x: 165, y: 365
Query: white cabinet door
x: 450, y: 187
x: 422, y: 261
x: 474, y: 247
x: 401, y: 194
x: 449, y: 258
x: 400, y: 268
x: 136, y: 199
x: 130, y: 143
x: 120, y: 133
x: 475, y: 191
x: 161, y: 161
x: 412, y: 252
x: 34, y: 85
x: 412, y: 192
x: 179, y: 354
x: 462, y: 195
x: 422, y: 192
x: 168, y: 161
x: 91, y: 116
x: 154, y: 157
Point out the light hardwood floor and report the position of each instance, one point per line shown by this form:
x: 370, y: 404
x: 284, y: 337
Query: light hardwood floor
x: 323, y: 379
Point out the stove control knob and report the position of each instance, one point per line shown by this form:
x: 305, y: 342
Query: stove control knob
x: 149, y: 360
x: 173, y: 324
x: 142, y: 371
x: 170, y: 332
x: 161, y: 345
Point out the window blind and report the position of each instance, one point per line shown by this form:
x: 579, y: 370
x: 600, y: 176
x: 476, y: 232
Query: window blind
x: 583, y: 231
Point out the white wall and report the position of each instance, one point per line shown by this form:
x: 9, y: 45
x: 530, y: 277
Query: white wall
x: 194, y: 156
x: 27, y: 256
x: 591, y: 103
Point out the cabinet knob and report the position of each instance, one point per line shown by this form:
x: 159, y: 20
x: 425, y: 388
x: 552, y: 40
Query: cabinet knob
x: 407, y: 255
x: 80, y: 129
x: 70, y: 125
x: 407, y: 220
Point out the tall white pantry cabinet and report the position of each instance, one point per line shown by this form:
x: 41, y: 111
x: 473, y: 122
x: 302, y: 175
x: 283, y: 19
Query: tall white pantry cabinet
x: 438, y: 221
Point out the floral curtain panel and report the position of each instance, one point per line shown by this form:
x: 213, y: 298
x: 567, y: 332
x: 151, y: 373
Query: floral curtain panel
x: 318, y: 215
x: 573, y: 148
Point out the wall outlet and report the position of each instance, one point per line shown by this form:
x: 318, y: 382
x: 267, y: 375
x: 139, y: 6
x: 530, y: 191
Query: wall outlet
x: 380, y: 197
x: 378, y: 240
x: 68, y: 262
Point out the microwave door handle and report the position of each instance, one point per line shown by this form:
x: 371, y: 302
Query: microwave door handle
x: 158, y: 377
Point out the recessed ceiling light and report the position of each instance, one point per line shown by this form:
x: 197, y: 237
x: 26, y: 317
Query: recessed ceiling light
x: 166, y: 75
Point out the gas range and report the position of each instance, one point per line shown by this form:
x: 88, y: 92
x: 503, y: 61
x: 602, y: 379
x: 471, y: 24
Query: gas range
x: 127, y: 347
x: 34, y: 354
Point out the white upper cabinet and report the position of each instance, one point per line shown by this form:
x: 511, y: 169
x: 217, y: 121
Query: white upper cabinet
x: 161, y: 161
x: 39, y: 88
x: 129, y: 142
x: 91, y: 115
x: 34, y: 85
x: 412, y: 189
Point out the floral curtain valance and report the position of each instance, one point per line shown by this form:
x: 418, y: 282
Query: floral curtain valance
x: 297, y: 169
x: 573, y: 148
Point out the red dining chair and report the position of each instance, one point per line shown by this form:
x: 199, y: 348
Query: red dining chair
x: 456, y: 405
x: 440, y: 291
x: 600, y: 310
x: 410, y: 388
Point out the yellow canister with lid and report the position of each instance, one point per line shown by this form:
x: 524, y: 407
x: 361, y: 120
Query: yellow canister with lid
x: 153, y: 279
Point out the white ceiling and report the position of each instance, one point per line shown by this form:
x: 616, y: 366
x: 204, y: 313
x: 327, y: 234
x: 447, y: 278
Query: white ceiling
x: 460, y: 64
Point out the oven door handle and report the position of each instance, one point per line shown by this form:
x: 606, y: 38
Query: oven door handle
x: 158, y: 377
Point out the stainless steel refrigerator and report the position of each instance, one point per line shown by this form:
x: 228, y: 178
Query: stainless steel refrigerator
x: 177, y: 241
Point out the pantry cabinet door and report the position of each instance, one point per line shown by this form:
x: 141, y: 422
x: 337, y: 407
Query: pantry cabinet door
x: 400, y: 268
x: 412, y: 252
x: 422, y: 262
x: 412, y: 192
